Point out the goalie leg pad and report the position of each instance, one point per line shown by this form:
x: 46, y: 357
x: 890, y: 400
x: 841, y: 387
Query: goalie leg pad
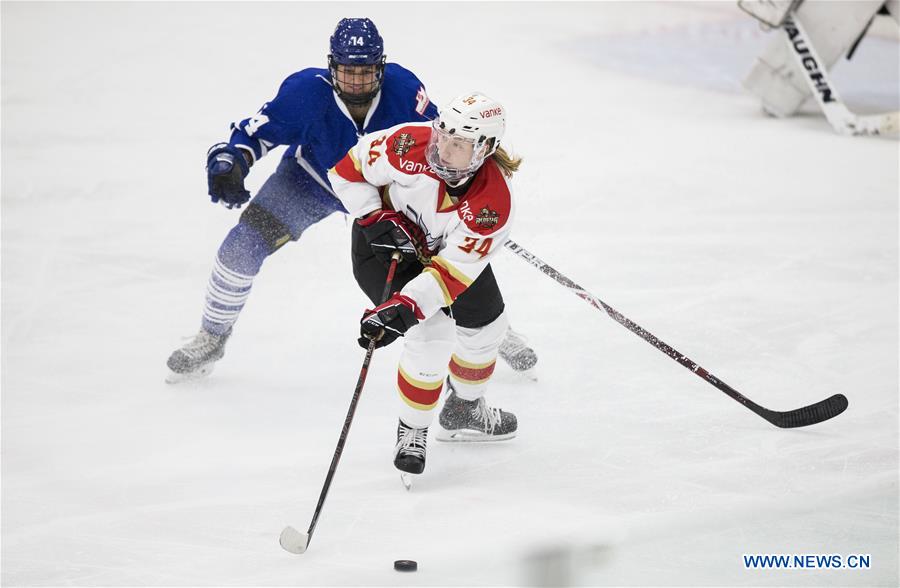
x: 832, y: 28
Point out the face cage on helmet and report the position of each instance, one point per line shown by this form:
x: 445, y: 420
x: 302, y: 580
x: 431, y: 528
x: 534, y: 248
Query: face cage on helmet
x: 453, y: 175
x: 364, y: 97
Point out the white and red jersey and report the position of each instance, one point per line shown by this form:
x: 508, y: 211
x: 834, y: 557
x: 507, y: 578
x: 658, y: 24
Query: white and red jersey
x: 387, y: 170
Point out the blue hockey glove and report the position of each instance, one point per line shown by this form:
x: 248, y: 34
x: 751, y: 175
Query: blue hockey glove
x: 226, y: 169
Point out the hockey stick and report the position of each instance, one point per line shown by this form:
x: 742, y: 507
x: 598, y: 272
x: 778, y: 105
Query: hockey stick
x: 799, y: 417
x: 836, y: 112
x: 291, y: 539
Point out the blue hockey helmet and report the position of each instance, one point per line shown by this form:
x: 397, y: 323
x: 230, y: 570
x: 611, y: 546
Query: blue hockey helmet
x: 354, y: 43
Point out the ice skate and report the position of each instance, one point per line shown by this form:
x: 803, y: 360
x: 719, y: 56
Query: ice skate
x: 515, y: 351
x: 197, y: 358
x: 473, y: 420
x: 409, y: 453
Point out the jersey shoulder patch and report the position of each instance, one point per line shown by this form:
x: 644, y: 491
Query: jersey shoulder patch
x: 488, y: 206
x: 405, y: 148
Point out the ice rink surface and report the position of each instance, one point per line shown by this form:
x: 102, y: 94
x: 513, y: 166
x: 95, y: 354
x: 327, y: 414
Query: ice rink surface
x: 764, y: 249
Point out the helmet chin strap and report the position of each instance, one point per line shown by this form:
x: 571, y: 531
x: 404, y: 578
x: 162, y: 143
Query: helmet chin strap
x: 356, y: 99
x: 353, y: 99
x: 461, y: 182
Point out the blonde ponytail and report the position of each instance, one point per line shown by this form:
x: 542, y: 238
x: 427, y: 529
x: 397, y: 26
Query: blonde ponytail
x: 506, y: 162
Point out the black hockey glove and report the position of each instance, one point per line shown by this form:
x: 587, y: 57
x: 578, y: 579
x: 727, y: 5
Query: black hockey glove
x: 226, y: 169
x: 388, y: 321
x: 388, y: 231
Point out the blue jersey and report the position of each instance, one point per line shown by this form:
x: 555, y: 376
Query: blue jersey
x: 308, y: 116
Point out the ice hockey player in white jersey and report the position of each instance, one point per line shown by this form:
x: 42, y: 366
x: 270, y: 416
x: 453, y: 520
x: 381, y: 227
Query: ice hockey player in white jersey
x: 439, y: 194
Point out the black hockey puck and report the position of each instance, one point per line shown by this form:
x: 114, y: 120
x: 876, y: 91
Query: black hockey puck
x: 405, y: 565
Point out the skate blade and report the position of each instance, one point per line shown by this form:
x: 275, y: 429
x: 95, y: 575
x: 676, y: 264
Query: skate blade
x: 529, y: 374
x: 463, y: 436
x: 406, y: 479
x: 176, y: 378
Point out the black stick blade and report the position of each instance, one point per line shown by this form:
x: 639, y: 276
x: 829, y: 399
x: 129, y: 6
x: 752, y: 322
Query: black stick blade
x: 809, y: 415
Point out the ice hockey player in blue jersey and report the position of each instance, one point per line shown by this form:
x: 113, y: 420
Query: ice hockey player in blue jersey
x: 319, y: 114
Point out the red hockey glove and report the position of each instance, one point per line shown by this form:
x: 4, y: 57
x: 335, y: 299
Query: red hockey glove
x: 388, y: 231
x: 388, y: 321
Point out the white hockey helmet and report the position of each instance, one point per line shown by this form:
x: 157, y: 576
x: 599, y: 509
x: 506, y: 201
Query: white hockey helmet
x: 471, y: 118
